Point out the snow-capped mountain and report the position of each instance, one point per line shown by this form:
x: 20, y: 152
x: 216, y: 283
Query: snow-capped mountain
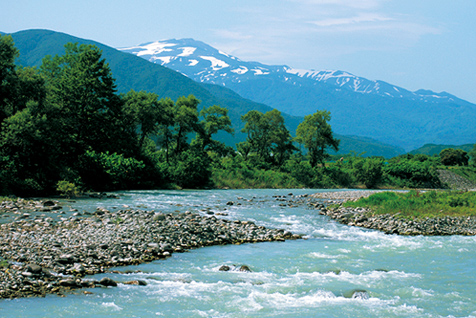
x: 206, y: 64
x: 358, y: 106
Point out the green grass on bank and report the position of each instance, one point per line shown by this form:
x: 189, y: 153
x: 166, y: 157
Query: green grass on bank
x: 467, y: 172
x: 418, y: 205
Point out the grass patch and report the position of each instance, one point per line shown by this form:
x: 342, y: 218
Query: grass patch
x: 4, y: 263
x: 466, y: 172
x: 418, y: 205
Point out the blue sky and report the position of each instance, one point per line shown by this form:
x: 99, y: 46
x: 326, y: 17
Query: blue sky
x: 429, y: 44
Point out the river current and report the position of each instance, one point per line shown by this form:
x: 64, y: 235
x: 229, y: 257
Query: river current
x: 394, y: 276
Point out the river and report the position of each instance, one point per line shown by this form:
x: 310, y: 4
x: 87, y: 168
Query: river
x: 397, y: 276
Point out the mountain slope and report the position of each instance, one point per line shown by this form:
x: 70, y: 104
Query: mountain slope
x: 358, y: 106
x: 132, y: 72
x: 432, y: 149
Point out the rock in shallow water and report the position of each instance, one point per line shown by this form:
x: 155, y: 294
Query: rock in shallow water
x: 106, y: 281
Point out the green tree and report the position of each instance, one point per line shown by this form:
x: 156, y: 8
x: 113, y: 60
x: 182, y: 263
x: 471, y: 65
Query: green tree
x: 369, y: 171
x: 454, y: 157
x: 316, y: 135
x: 8, y: 76
x: 192, y: 169
x: 281, y: 146
x: 267, y: 136
x: 185, y: 122
x: 472, y: 155
x: 215, y: 119
x: 88, y: 112
x: 147, y: 113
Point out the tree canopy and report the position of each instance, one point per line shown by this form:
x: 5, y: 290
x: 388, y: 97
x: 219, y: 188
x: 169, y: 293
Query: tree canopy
x: 316, y: 135
x: 268, y: 138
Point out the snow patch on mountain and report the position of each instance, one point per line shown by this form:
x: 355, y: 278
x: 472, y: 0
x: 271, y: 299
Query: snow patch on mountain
x: 216, y: 63
x: 240, y: 70
x: 187, y: 51
x: 149, y: 49
x: 164, y: 59
x: 193, y: 62
x: 259, y: 71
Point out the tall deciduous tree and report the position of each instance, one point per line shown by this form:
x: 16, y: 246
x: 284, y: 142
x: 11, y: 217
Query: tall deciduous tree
x: 316, y: 135
x: 185, y: 121
x: 268, y: 137
x: 215, y: 119
x: 147, y: 113
x: 8, y: 76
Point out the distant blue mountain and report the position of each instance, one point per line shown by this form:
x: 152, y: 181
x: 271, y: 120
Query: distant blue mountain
x: 358, y: 106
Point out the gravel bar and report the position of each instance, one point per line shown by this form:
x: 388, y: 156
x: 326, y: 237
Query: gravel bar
x: 40, y: 255
x: 389, y: 224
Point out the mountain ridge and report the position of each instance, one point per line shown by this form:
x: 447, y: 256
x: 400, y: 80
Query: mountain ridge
x: 358, y: 106
x: 338, y: 78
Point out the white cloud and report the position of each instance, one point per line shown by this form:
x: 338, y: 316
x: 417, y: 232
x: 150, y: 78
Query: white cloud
x: 357, y: 4
x: 363, y: 17
x: 232, y: 35
x: 313, y: 30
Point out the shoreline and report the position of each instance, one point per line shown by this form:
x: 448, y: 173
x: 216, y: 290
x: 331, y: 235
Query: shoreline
x: 391, y: 224
x: 41, y: 256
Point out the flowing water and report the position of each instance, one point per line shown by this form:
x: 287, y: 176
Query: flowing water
x: 394, y: 276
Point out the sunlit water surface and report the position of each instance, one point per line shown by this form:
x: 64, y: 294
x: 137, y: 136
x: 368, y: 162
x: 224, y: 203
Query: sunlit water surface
x: 403, y: 276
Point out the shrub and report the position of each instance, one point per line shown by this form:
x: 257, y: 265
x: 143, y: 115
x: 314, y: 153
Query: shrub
x: 454, y: 157
x: 191, y: 170
x: 67, y: 189
x: 369, y: 171
x: 105, y: 171
x: 404, y: 172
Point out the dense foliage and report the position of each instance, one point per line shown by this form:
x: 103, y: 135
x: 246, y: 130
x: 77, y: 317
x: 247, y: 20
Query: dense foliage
x: 65, y: 128
x: 65, y: 124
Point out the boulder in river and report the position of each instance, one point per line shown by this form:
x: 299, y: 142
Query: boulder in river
x: 224, y: 268
x: 106, y: 281
x: 357, y: 294
x: 244, y: 268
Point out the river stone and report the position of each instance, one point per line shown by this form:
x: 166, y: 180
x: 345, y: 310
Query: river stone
x: 136, y: 282
x: 166, y: 247
x: 159, y: 217
x: 69, y: 283
x: 106, y: 281
x: 78, y: 268
x: 65, y: 259
x: 33, y: 268
x: 244, y: 268
x: 224, y: 268
x: 357, y: 294
x: 48, y: 203
x: 80, y: 246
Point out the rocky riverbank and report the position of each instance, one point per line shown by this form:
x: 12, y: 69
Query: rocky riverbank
x: 390, y: 224
x: 40, y: 255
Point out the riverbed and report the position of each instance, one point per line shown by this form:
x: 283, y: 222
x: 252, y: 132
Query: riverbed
x: 336, y: 271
